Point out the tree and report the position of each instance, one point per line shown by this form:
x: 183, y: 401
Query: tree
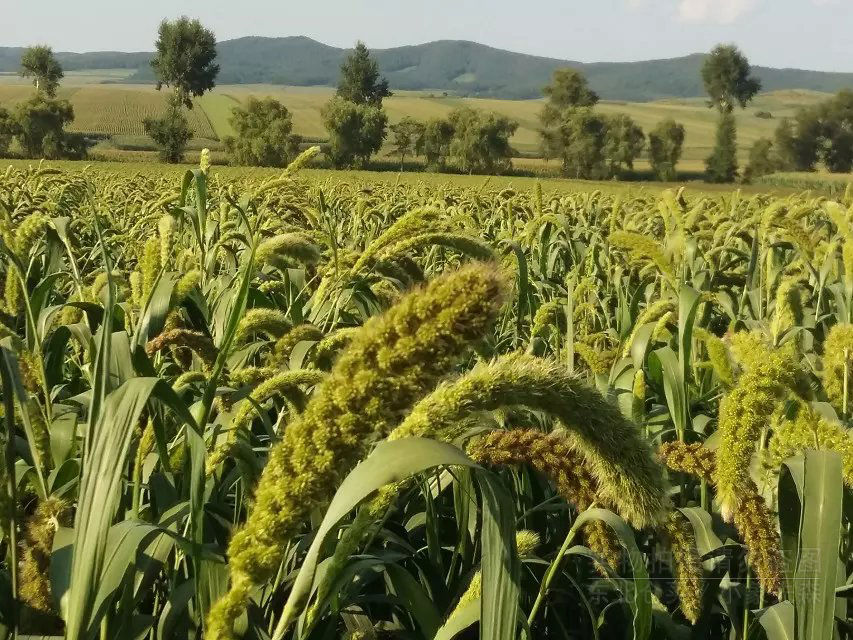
x: 8, y: 129
x: 40, y: 127
x: 727, y: 79
x: 623, y: 142
x: 407, y: 133
x: 481, y: 140
x: 356, y: 131
x: 579, y: 143
x: 434, y: 143
x: 41, y: 65
x: 665, y: 143
x: 836, y: 131
x: 762, y: 160
x: 360, y: 81
x: 569, y: 89
x: 797, y: 143
x: 170, y: 133
x: 721, y: 165
x: 184, y: 59
x: 265, y: 135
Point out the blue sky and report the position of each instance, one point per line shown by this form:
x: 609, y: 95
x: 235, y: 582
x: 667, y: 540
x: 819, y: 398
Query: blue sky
x: 813, y: 34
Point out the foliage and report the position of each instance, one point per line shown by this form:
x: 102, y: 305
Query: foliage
x: 407, y: 133
x: 170, y: 133
x: 623, y: 143
x: 264, y: 134
x: 762, y: 159
x: 41, y: 65
x: 40, y: 127
x: 8, y: 130
x: 820, y: 133
x: 184, y: 59
x: 356, y: 131
x: 305, y: 407
x: 481, y: 140
x: 727, y: 78
x: 360, y: 81
x: 434, y: 143
x: 569, y: 89
x: 721, y: 165
x: 665, y: 144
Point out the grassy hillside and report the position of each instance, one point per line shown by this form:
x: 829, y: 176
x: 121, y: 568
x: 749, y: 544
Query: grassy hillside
x: 456, y: 66
x: 118, y: 110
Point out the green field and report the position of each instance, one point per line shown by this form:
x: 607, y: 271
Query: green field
x: 118, y: 110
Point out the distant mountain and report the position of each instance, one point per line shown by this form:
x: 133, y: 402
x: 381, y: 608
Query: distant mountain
x: 456, y: 66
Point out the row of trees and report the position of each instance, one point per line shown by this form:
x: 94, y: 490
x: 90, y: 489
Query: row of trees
x: 38, y: 123
x: 592, y: 145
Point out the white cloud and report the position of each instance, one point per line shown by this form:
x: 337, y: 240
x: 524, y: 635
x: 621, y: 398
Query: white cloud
x: 721, y: 11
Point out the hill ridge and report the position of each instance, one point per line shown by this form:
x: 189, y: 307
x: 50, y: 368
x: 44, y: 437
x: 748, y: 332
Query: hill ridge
x: 458, y: 67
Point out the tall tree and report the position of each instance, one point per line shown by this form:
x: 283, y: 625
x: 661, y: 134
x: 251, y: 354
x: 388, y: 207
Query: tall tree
x: 434, y: 143
x: 41, y: 65
x: 729, y: 83
x: 569, y: 89
x: 623, y: 142
x: 360, y: 81
x: 481, y: 140
x: 183, y: 61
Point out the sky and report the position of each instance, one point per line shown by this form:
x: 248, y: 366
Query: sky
x: 807, y: 34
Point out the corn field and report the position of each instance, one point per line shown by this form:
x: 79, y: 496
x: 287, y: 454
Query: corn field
x: 297, y: 409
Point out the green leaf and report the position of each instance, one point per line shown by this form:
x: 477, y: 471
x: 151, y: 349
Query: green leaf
x: 778, y: 621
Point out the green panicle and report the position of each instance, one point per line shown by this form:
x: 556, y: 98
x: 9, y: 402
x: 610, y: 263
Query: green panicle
x: 285, y: 384
x: 195, y: 341
x: 272, y: 322
x: 39, y: 531
x: 331, y: 344
x: 718, y: 355
x: 688, y: 565
x: 149, y: 266
x: 618, y: 456
x: 285, y: 345
x: 251, y: 376
x: 184, y: 286
x: 809, y: 430
x: 838, y: 366
x: 391, y: 362
x: 599, y: 361
x: 296, y: 246
x: 28, y: 233
x: 652, y: 313
x: 638, y: 396
x: 744, y: 412
x: 546, y: 315
x: 788, y: 312
x: 166, y: 230
x: 644, y: 250
x: 416, y: 222
x: 14, y: 302
x: 465, y: 245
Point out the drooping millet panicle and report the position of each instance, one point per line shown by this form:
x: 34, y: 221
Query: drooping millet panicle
x: 28, y: 233
x: 808, y: 430
x: 756, y: 525
x: 546, y: 315
x: 285, y: 344
x: 195, y: 341
x: 638, y: 397
x: 788, y: 312
x: 652, y: 313
x: 718, y: 356
x: 744, y: 412
x: 694, y: 459
x: 752, y: 517
x: 465, y: 245
x: 185, y: 284
x: 149, y: 266
x: 251, y: 376
x: 272, y: 322
x: 326, y: 349
x: 687, y: 564
x: 838, y: 359
x: 36, y: 550
x: 285, y: 384
x: 552, y: 455
x: 166, y: 230
x: 280, y: 249
x: 415, y: 222
x: 619, y: 457
x: 392, y: 361
x: 643, y: 249
x: 598, y: 361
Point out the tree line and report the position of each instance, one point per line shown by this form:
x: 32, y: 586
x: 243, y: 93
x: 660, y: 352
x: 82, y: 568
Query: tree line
x: 586, y: 143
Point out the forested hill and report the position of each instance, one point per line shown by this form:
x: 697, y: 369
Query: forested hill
x: 455, y: 66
